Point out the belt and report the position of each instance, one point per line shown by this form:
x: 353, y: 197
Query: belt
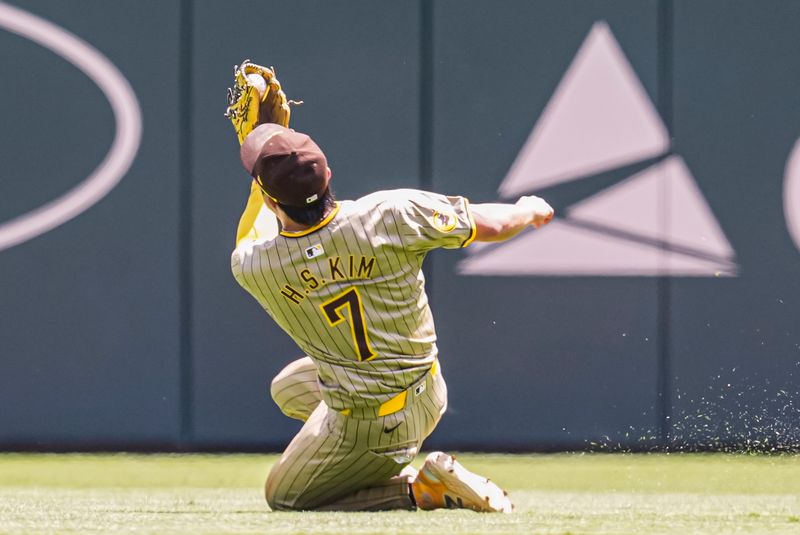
x: 398, y: 402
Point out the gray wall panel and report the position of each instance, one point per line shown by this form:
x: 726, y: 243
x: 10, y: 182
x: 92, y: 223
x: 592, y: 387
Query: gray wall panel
x: 88, y: 337
x: 535, y: 360
x: 357, y: 72
x: 735, y: 342
x: 93, y: 311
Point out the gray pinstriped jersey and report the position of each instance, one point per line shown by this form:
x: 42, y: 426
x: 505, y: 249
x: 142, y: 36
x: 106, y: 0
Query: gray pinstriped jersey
x: 350, y: 291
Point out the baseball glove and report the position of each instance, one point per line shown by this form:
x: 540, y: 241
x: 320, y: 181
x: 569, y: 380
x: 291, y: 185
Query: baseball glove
x: 256, y: 98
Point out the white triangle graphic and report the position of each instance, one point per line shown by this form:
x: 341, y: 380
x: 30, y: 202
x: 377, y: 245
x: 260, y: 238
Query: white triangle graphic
x: 563, y: 250
x: 663, y: 202
x: 600, y: 117
x: 654, y: 223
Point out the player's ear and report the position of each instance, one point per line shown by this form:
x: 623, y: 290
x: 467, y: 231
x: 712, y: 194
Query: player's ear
x: 330, y: 173
x: 271, y: 204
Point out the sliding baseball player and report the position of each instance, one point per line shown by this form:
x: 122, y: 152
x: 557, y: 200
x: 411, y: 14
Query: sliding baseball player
x: 344, y: 280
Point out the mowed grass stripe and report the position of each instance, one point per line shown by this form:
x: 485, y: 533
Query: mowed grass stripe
x: 718, y: 473
x: 592, y: 493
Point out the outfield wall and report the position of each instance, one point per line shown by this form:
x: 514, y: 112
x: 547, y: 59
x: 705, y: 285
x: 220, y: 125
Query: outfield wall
x: 661, y: 307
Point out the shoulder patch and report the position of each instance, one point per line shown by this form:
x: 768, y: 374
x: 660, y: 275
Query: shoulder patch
x: 444, y: 221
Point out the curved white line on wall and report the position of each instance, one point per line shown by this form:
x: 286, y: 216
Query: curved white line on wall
x: 791, y: 194
x: 126, y: 113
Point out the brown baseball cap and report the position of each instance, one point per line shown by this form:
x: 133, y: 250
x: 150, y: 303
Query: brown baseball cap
x: 288, y: 165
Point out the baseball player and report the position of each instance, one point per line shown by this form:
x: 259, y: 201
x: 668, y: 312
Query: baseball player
x: 344, y: 280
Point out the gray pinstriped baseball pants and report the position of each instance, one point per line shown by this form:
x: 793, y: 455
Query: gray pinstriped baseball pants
x: 343, y: 463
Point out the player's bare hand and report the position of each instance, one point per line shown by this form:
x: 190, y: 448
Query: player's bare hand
x: 542, y: 213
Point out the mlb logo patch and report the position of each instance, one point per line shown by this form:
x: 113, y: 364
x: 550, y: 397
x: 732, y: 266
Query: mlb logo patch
x: 419, y: 389
x: 314, y: 251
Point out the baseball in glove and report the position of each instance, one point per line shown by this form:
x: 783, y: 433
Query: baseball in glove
x: 256, y: 98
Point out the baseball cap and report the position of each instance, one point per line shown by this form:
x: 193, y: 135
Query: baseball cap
x: 288, y: 165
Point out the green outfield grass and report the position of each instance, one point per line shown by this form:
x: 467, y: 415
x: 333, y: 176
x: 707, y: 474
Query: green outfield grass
x: 562, y: 493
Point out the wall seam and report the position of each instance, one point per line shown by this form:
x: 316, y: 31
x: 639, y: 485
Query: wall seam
x: 664, y: 283
x: 426, y: 96
x: 185, y: 252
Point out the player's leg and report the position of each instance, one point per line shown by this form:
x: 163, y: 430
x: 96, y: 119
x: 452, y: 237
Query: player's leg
x: 325, y: 461
x: 389, y: 495
x: 442, y: 482
x: 330, y: 464
x: 339, y: 462
x: 296, y: 390
x: 375, y: 492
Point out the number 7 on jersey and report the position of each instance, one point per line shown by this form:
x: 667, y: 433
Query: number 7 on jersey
x: 332, y: 309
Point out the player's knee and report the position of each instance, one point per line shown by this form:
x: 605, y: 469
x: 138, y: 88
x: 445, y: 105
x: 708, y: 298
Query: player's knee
x: 280, y: 502
x: 277, y: 501
x: 277, y: 504
x: 277, y: 391
x: 282, y: 499
x: 275, y: 388
x: 289, y: 377
x: 294, y: 389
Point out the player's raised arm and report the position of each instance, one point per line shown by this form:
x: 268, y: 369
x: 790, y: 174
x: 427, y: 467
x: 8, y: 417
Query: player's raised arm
x: 498, y: 222
x: 256, y: 98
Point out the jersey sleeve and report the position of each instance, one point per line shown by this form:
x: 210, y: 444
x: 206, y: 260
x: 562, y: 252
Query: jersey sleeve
x: 237, y: 267
x: 256, y: 222
x: 433, y: 220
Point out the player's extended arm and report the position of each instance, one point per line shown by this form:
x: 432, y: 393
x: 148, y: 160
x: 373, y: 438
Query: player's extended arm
x: 256, y: 98
x: 498, y: 222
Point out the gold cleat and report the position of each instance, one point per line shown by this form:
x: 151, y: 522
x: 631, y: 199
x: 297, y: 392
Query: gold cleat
x: 442, y: 483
